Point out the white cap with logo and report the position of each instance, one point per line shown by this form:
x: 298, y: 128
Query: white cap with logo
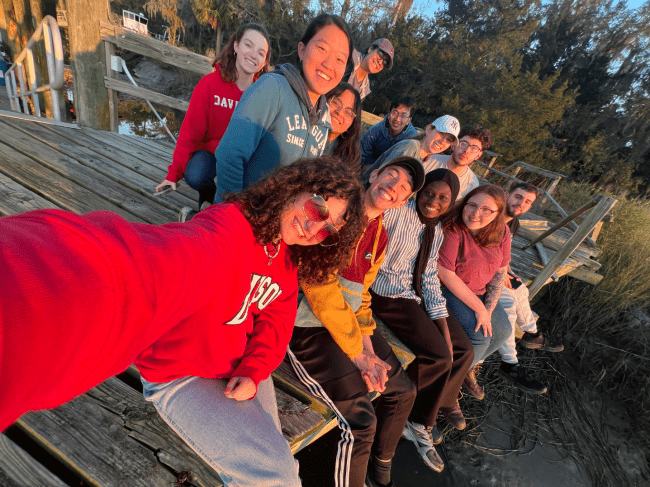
x: 447, y: 124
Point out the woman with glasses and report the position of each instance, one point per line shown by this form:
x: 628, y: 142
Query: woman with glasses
x: 345, y: 110
x: 472, y: 265
x: 283, y: 116
x: 82, y: 297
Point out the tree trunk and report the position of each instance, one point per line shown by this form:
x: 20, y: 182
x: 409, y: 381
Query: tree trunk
x: 218, y: 45
x: 88, y: 59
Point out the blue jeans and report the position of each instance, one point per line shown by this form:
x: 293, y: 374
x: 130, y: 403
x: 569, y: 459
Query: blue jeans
x: 483, y: 345
x: 241, y: 440
x: 200, y: 173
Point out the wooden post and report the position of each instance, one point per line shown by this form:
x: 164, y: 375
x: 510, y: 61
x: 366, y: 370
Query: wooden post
x: 88, y: 59
x: 604, y: 205
x: 109, y: 50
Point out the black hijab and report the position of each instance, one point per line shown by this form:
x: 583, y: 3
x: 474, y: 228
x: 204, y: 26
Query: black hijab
x: 429, y: 234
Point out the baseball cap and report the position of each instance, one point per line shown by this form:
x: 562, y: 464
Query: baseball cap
x: 386, y: 46
x: 413, y: 165
x: 447, y: 124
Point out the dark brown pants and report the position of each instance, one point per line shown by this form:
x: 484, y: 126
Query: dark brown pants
x: 436, y: 377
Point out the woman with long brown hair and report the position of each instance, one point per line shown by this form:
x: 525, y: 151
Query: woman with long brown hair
x: 344, y: 139
x: 241, y: 62
x: 472, y: 265
x: 83, y: 297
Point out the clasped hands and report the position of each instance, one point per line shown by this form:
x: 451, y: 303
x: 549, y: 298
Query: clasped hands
x: 374, y: 371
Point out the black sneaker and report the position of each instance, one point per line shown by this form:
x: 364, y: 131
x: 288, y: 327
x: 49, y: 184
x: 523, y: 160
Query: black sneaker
x: 518, y: 375
x: 378, y: 473
x: 537, y: 341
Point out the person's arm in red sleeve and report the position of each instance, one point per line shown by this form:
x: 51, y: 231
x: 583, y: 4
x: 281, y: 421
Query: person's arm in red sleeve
x: 272, y: 330
x: 193, y: 130
x: 82, y: 296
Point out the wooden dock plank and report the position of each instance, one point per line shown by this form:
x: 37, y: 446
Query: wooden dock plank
x: 86, y: 177
x: 157, y: 159
x: 19, y: 469
x: 108, y: 150
x: 161, y: 155
x: 121, y: 174
x: 15, y: 198
x: 54, y: 187
x: 153, y: 144
x: 118, y: 439
x: 297, y: 418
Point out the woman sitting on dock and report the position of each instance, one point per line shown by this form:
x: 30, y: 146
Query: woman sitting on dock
x: 244, y: 59
x: 472, y: 266
x: 82, y: 297
x: 406, y: 295
x: 284, y: 116
x: 344, y: 139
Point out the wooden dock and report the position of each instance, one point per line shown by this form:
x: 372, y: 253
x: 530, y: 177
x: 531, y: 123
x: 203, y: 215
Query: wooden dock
x: 110, y: 436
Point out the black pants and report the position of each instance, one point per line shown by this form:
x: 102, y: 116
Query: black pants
x: 330, y: 374
x: 436, y: 377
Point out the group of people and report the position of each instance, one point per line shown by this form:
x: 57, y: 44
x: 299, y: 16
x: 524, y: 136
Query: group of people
x: 304, y: 231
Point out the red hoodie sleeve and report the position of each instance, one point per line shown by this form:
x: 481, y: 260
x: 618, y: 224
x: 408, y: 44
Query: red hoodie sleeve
x: 193, y: 130
x: 82, y: 296
x: 272, y: 330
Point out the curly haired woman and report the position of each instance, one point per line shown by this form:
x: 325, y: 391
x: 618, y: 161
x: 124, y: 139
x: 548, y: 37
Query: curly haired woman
x: 82, y: 297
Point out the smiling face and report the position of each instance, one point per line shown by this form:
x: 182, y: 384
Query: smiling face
x: 389, y: 189
x: 373, y: 63
x: 341, y: 119
x: 467, y: 151
x: 251, y: 52
x: 435, y: 142
x: 479, y: 212
x: 398, y: 118
x: 434, y: 199
x: 297, y: 229
x: 323, y: 60
x: 519, y: 202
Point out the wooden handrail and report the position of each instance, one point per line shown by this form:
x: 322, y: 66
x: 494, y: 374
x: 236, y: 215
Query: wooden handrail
x: 603, y: 206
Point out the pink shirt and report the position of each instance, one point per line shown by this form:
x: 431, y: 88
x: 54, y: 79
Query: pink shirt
x: 474, y: 264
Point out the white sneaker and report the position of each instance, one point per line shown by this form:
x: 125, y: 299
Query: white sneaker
x: 186, y: 214
x: 419, y: 435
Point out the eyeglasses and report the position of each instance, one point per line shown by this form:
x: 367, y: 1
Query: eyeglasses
x: 337, y: 105
x: 482, y: 211
x: 472, y: 149
x: 400, y: 115
x: 385, y: 59
x: 316, y: 210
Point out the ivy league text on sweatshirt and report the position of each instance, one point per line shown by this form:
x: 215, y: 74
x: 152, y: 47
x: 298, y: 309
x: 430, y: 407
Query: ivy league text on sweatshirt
x: 274, y: 123
x: 82, y: 296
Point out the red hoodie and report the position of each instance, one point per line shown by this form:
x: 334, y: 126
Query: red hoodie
x: 211, y: 107
x: 82, y: 296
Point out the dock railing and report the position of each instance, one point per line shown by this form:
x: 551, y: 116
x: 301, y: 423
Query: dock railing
x: 24, y: 70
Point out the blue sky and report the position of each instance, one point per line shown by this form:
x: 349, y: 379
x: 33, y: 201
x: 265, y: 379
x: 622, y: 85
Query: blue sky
x: 430, y: 6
